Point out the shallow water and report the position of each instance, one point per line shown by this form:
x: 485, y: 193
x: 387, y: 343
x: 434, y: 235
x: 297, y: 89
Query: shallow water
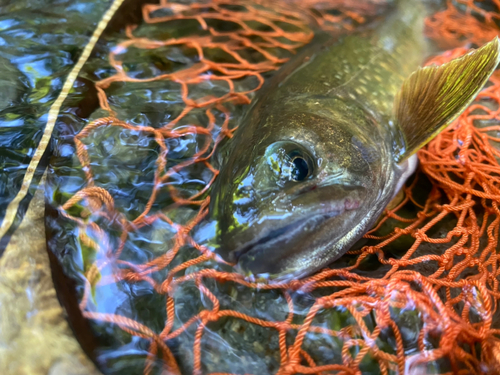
x: 40, y: 42
x: 124, y: 162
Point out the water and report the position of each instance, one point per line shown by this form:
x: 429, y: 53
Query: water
x: 135, y: 257
x: 124, y: 161
x: 40, y: 42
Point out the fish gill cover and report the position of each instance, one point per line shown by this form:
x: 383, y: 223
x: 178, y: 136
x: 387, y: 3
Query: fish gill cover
x: 129, y: 182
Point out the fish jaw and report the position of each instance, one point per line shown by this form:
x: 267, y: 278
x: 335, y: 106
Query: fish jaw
x: 293, y: 230
x: 337, y: 100
x: 291, y: 243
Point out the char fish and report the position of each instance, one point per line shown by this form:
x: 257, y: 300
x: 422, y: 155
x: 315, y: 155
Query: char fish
x: 331, y: 138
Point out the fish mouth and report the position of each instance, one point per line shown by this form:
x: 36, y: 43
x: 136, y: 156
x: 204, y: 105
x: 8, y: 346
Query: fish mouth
x: 281, y: 234
x: 287, y: 233
x: 298, y: 228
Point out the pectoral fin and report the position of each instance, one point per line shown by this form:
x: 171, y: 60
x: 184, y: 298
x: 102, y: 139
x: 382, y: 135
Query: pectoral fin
x: 432, y: 97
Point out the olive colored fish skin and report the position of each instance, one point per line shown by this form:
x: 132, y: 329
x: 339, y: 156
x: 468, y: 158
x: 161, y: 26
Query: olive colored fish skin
x: 330, y: 106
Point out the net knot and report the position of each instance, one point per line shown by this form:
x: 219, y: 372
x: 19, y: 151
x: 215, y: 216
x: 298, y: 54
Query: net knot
x: 282, y: 326
x: 325, y: 303
x: 207, y: 316
x: 402, y: 231
x: 421, y: 215
x: 298, y: 285
x: 289, y: 368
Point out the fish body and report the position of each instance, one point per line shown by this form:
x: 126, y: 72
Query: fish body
x: 323, y: 149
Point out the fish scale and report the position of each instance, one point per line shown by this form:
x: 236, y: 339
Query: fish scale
x: 372, y: 64
x: 328, y: 142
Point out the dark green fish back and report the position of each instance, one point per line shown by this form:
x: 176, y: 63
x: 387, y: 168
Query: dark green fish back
x: 332, y: 107
x: 370, y: 66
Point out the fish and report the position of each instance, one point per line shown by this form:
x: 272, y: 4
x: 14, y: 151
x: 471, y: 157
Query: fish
x: 329, y: 141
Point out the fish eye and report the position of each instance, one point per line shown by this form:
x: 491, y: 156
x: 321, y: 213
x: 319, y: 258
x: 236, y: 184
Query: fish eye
x: 289, y: 162
x: 300, y: 169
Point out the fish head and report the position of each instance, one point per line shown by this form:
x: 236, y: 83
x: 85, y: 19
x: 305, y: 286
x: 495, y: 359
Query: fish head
x: 306, y: 175
x: 297, y: 189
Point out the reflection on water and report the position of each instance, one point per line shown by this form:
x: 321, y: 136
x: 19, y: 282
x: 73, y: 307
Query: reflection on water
x: 126, y: 159
x: 38, y: 48
x: 126, y: 241
x: 152, y: 152
x: 122, y: 190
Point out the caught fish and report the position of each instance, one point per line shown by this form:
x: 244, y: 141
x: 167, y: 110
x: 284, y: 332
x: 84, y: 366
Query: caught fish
x: 331, y: 139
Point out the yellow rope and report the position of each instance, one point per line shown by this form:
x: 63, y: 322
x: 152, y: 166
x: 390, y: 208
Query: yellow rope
x: 12, y: 208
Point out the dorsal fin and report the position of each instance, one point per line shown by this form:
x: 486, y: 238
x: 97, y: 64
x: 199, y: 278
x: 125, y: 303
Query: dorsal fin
x: 433, y: 96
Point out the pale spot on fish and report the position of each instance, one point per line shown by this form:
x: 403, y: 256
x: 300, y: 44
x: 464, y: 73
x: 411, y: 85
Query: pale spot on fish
x: 361, y: 90
x: 385, y: 66
x: 326, y: 84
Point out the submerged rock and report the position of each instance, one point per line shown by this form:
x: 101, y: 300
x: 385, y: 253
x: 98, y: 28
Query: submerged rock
x: 34, y: 335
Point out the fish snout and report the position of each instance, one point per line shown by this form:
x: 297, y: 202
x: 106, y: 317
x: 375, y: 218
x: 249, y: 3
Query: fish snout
x: 286, y: 230
x: 340, y: 196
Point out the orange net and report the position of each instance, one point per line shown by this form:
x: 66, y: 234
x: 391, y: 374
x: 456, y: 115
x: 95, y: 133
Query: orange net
x: 436, y: 253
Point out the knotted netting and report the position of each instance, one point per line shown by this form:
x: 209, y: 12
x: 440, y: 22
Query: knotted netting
x: 419, y: 294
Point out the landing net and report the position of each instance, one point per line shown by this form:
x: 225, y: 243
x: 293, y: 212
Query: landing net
x: 437, y: 252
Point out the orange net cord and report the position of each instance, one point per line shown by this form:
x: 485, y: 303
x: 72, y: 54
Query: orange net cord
x: 462, y: 163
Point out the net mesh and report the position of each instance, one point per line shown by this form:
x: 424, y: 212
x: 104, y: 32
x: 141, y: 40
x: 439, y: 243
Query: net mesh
x: 437, y: 251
